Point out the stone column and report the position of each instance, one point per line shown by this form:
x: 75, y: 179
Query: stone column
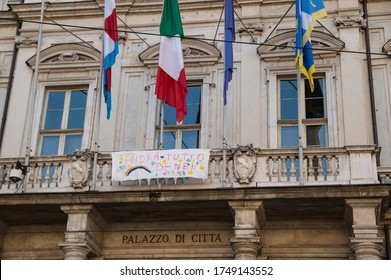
x: 84, y: 233
x: 249, y: 218
x: 365, y: 242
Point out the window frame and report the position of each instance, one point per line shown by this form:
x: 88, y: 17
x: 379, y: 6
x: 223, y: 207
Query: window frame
x: 273, y: 76
x: 61, y: 132
x: 306, y: 122
x: 179, y: 128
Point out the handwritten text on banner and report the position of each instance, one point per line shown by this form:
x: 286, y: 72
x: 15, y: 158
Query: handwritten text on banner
x: 160, y: 164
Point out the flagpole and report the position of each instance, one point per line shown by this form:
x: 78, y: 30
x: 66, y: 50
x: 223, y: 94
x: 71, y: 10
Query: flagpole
x: 300, y: 130
x: 161, y: 139
x: 98, y: 104
x: 34, y: 92
x: 223, y: 173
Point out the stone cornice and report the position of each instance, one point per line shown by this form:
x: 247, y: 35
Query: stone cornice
x: 4, y: 15
x: 32, y: 11
x: 248, y: 193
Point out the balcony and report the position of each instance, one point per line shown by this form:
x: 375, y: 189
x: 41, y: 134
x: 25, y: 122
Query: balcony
x: 265, y: 168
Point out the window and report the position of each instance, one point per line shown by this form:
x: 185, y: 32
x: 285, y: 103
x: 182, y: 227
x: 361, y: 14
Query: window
x: 314, y: 119
x: 63, y: 122
x: 184, y: 135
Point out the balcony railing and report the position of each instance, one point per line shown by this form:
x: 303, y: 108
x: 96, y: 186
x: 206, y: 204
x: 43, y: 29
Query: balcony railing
x: 272, y: 167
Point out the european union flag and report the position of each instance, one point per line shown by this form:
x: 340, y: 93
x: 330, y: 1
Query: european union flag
x: 229, y: 37
x: 307, y: 11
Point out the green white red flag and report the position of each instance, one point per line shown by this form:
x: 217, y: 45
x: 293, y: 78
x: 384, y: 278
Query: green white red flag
x: 171, y: 78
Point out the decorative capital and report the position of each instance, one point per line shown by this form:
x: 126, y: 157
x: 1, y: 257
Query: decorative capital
x: 246, y: 248
x: 345, y: 21
x: 75, y: 251
x: 367, y: 249
x: 252, y: 29
x: 80, y: 168
x: 26, y: 42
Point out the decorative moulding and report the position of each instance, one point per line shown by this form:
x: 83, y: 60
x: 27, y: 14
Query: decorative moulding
x: 387, y: 47
x: 283, y: 45
x: 195, y: 51
x: 356, y: 20
x: 67, y: 55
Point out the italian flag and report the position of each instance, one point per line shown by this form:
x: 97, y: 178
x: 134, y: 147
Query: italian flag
x: 171, y: 78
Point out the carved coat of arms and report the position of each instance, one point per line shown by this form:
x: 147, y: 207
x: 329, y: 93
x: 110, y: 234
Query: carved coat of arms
x: 245, y: 163
x: 80, y: 168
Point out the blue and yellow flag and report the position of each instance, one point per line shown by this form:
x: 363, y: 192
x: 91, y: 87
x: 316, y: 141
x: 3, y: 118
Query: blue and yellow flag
x: 307, y: 11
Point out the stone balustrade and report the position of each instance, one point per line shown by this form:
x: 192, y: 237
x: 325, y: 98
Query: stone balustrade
x: 384, y: 174
x: 244, y: 166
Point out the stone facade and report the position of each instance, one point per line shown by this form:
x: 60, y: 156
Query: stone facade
x: 255, y: 203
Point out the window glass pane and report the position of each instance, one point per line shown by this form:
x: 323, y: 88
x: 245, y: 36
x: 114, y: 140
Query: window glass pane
x: 78, y: 99
x: 193, y: 103
x: 289, y: 136
x: 72, y: 143
x: 50, y: 145
x: 169, y: 138
x: 56, y: 100
x: 190, y: 139
x: 288, y: 100
x: 289, y: 109
x: 77, y: 109
x: 76, y: 118
x: 169, y: 115
x: 54, y: 110
x: 314, y: 101
x: 316, y: 135
x: 288, y: 89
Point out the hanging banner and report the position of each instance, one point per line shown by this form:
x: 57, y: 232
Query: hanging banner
x: 160, y: 164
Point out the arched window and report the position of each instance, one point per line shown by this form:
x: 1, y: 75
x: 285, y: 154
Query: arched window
x: 318, y: 113
x: 199, y: 57
x: 67, y: 78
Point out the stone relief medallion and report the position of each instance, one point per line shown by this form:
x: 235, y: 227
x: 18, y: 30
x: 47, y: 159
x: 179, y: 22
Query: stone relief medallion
x: 80, y: 168
x: 245, y: 163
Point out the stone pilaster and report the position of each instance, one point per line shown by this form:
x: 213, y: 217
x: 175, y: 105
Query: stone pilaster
x: 249, y: 218
x: 354, y: 96
x: 365, y: 242
x: 84, y: 233
x: 3, y: 232
x: 387, y: 231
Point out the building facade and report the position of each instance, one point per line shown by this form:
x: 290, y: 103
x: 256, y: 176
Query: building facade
x: 60, y: 201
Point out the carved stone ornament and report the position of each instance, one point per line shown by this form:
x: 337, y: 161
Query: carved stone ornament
x: 26, y: 41
x: 80, y: 168
x: 245, y: 163
x: 356, y: 20
x: 251, y: 28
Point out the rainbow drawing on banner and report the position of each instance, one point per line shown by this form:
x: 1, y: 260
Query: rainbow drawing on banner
x: 133, y: 168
